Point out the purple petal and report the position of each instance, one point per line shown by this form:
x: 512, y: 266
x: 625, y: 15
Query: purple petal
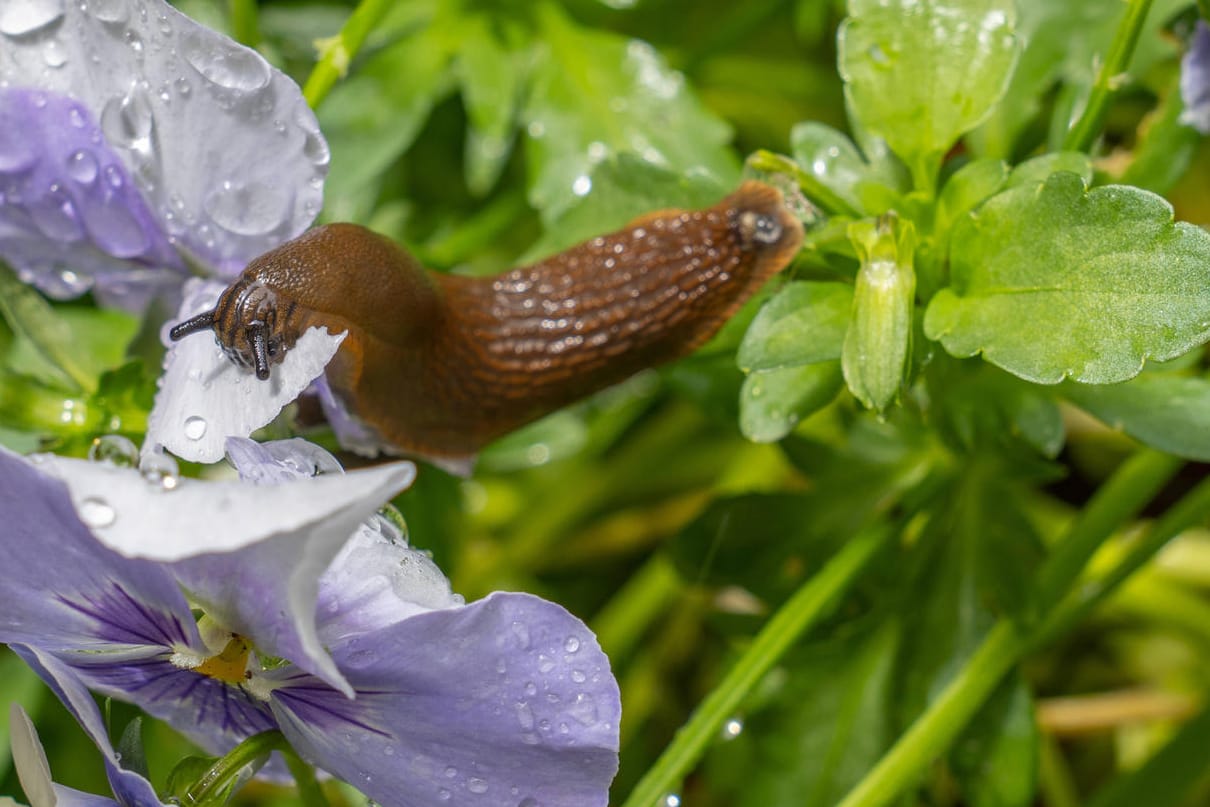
x: 353, y: 433
x: 222, y: 146
x: 499, y: 702
x: 204, y: 397
x: 131, y: 789
x: 61, y: 588
x: 1195, y: 80
x: 69, y: 214
x: 267, y: 591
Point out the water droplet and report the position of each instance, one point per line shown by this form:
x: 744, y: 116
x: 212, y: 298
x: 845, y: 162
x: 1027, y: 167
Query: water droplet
x: 584, y: 709
x: 128, y: 121
x: 96, y: 512
x: 54, y: 54
x: 531, y: 688
x: 578, y: 676
x: 450, y: 772
x: 160, y: 470
x: 82, y: 167
x: 670, y: 800
x: 55, y: 215
x: 476, y: 786
x: 66, y: 283
x: 225, y: 64
x: 134, y: 41
x: 733, y: 728
x: 114, y: 449
x: 393, y: 526
x: 20, y: 17
x: 195, y: 427
x: 582, y: 185
x: 252, y: 209
x: 522, y: 633
x: 528, y: 801
x: 389, y: 750
x: 545, y: 663
x: 572, y: 644
x: 525, y: 716
x: 111, y: 11
x: 183, y: 87
x: 444, y: 794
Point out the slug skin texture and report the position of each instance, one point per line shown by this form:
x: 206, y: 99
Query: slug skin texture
x: 440, y: 365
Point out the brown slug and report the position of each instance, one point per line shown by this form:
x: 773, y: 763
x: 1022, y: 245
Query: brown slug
x: 442, y: 364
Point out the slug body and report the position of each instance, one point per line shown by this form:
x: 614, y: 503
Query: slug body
x: 439, y: 365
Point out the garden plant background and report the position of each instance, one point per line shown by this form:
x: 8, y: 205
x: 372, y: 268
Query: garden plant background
x: 924, y: 524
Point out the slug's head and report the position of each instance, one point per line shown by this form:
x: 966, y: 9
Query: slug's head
x: 762, y: 222
x: 250, y: 324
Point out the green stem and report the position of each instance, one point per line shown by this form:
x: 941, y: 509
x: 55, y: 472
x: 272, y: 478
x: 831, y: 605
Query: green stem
x: 1081, y: 136
x: 30, y: 315
x: 309, y: 792
x: 1116, y: 501
x: 229, y: 766
x: 337, y: 52
x: 245, y: 22
x: 632, y: 609
x: 805, y: 608
x: 815, y: 190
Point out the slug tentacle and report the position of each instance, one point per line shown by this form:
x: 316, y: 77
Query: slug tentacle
x: 439, y: 365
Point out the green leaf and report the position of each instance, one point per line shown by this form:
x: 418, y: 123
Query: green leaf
x: 491, y: 65
x: 1040, y: 168
x: 18, y: 684
x: 852, y: 184
x: 804, y: 323
x: 595, y: 94
x: 821, y: 732
x: 1171, y: 413
x: 1103, y: 279
x: 624, y: 186
x: 920, y: 74
x: 371, y: 118
x: 772, y: 403
x: 966, y: 189
x: 34, y: 320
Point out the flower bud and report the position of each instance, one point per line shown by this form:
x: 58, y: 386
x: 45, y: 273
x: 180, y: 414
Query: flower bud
x: 878, y: 341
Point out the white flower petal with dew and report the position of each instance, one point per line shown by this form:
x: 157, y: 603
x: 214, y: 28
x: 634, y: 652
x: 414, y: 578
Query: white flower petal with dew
x: 204, y: 397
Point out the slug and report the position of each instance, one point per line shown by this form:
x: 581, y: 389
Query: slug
x: 440, y: 365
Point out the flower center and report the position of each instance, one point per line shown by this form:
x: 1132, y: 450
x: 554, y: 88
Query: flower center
x: 230, y: 665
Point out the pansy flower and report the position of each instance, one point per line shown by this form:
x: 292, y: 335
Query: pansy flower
x: 1195, y: 80
x: 376, y: 673
x: 138, y: 148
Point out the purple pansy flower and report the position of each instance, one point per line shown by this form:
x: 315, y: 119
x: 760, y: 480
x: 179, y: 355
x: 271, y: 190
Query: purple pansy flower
x: 1195, y: 80
x: 378, y: 674
x: 138, y: 147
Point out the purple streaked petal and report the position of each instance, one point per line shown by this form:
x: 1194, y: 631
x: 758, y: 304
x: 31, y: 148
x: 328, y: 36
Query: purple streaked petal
x: 1195, y: 80
x: 70, y: 216
x: 131, y: 789
x: 204, y: 397
x: 504, y: 700
x: 222, y: 146
x: 61, y: 588
x: 267, y: 591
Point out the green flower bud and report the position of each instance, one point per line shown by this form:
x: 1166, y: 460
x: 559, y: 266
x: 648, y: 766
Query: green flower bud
x: 877, y: 343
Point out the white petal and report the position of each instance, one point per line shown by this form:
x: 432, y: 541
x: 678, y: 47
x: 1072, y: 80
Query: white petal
x: 204, y: 398
x: 30, y: 760
x: 140, y: 518
x: 223, y: 147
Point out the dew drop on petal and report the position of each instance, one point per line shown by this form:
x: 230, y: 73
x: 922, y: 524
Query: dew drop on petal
x: 114, y: 449
x: 20, y: 17
x: 476, y: 785
x: 444, y: 794
x: 111, y: 11
x: 195, y: 427
x: 82, y: 167
x: 96, y: 512
x: 525, y: 716
x: 225, y: 65
x: 584, y: 709
x: 451, y: 772
x: 252, y: 209
x: 572, y: 644
x: 522, y: 633
x: 128, y: 120
x: 160, y: 470
x: 54, y: 54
